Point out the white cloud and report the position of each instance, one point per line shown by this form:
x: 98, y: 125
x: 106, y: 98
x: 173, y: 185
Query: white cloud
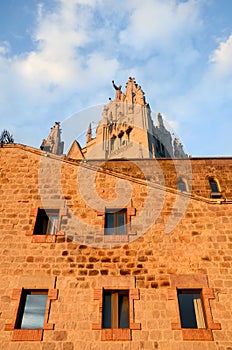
x: 65, y: 59
x: 161, y: 24
x: 221, y: 57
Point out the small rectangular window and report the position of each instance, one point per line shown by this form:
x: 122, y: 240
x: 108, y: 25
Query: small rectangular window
x: 115, y: 222
x: 46, y: 222
x: 115, y: 309
x: 215, y: 192
x: 191, y: 309
x: 181, y: 185
x: 213, y: 185
x: 32, y: 309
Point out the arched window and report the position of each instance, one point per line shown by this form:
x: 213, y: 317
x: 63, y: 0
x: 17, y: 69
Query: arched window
x: 112, y: 143
x: 181, y: 184
x: 215, y: 191
x: 128, y: 134
x: 121, y: 140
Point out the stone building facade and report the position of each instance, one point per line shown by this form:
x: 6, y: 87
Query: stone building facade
x: 120, y: 254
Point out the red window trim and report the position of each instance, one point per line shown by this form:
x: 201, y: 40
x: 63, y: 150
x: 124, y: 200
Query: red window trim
x: 117, y: 333
x: 30, y: 334
x: 130, y: 211
x: 116, y: 283
x: 45, y: 238
x: 192, y: 282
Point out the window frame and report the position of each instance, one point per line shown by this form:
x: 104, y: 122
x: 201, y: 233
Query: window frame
x: 30, y: 334
x: 193, y: 282
x: 121, y: 238
x: 114, y: 311
x: 116, y: 212
x: 214, y: 184
x: 22, y: 306
x: 43, y: 217
x: 46, y: 238
x: 116, y: 284
x: 197, y: 308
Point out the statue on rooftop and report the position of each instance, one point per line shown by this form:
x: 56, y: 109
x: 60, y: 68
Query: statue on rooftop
x: 160, y: 121
x: 118, y: 91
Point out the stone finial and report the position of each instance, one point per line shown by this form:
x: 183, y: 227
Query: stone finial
x: 178, y: 149
x: 160, y: 121
x: 89, y: 134
x: 139, y: 97
x: 53, y: 143
x: 131, y: 87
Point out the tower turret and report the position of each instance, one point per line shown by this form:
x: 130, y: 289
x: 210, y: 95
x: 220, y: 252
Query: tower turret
x: 53, y: 143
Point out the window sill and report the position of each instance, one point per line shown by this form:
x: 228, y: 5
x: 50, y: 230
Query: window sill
x: 116, y: 238
x: 116, y: 334
x: 27, y: 334
x: 193, y: 333
x: 46, y: 238
x: 194, y: 281
x: 197, y: 334
x: 43, y: 239
x: 215, y: 195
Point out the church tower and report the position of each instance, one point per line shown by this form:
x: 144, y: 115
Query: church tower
x: 126, y: 129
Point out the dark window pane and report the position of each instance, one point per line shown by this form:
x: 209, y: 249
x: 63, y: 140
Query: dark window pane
x: 115, y: 222
x: 123, y: 312
x: 187, y: 310
x: 213, y: 185
x: 115, y: 309
x: 33, y: 312
x: 109, y: 224
x: 106, y: 317
x: 121, y: 223
x: 41, y: 222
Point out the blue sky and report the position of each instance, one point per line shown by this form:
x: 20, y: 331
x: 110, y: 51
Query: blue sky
x: 59, y: 57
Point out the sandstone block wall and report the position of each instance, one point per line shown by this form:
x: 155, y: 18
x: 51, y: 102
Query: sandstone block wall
x: 151, y: 264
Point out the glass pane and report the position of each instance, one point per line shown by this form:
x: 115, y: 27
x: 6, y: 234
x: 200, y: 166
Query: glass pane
x: 123, y: 311
x: 106, y: 317
x: 187, y: 311
x: 109, y: 224
x: 34, y: 309
x: 121, y: 223
x: 52, y: 224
